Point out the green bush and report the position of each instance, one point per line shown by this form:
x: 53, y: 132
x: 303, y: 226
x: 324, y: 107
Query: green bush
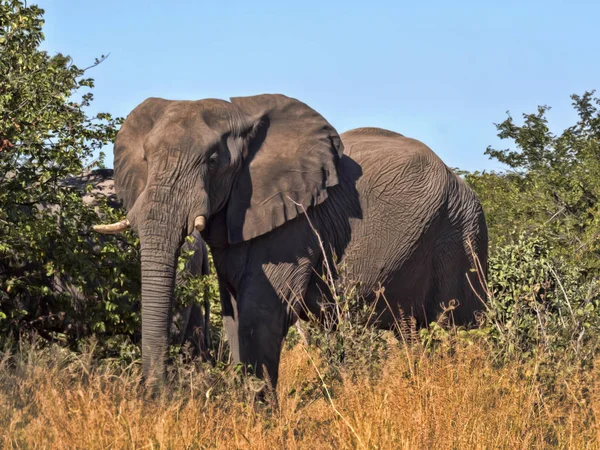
x: 539, y: 304
x: 59, y: 279
x: 542, y: 215
x: 46, y: 136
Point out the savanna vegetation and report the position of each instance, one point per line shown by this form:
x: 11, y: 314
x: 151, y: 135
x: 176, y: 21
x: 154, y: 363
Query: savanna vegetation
x: 527, y: 377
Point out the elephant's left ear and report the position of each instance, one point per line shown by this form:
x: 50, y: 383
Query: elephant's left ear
x: 291, y: 161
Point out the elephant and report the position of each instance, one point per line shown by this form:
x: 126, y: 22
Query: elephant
x: 194, y: 323
x: 279, y: 196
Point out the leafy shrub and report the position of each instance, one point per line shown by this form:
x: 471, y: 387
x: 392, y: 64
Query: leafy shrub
x: 59, y: 279
x: 538, y: 304
x: 542, y: 214
x: 46, y: 136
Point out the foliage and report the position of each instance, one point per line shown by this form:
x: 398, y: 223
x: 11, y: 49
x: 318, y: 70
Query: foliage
x: 544, y: 270
x: 58, y: 278
x: 44, y: 226
x: 540, y: 305
x: 346, y: 339
x: 551, y: 188
x: 537, y: 308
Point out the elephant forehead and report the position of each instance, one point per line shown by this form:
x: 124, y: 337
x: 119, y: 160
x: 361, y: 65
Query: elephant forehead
x: 212, y: 113
x: 178, y: 131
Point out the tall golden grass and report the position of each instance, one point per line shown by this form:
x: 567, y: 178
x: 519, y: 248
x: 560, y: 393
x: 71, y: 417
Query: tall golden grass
x: 452, y: 399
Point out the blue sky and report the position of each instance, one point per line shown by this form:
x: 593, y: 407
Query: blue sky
x: 439, y: 71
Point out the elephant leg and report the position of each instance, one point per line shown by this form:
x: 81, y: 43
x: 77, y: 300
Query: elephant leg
x: 454, y: 280
x: 230, y: 320
x: 231, y: 325
x: 194, y: 330
x: 263, y: 322
x: 195, y: 323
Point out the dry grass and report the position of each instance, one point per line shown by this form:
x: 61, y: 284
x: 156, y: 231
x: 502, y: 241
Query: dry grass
x: 455, y: 399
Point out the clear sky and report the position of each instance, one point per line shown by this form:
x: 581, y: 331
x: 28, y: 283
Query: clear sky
x: 440, y: 71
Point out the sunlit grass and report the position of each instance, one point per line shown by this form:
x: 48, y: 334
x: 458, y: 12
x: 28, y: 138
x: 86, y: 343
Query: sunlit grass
x: 451, y: 399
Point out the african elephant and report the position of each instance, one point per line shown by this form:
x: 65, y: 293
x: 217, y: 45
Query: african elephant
x: 278, y: 194
x: 194, y: 323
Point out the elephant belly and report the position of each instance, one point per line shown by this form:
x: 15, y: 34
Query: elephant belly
x: 397, y: 273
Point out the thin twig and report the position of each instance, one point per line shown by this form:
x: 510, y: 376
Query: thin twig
x: 563, y: 291
x: 97, y: 62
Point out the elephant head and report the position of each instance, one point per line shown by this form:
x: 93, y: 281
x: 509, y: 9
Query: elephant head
x: 259, y: 160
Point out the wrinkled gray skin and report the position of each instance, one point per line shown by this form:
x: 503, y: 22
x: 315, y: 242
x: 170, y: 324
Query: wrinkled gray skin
x: 384, y: 204
x: 195, y: 325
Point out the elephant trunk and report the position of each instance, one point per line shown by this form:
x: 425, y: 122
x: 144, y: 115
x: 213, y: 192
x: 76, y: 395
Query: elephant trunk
x: 159, y: 252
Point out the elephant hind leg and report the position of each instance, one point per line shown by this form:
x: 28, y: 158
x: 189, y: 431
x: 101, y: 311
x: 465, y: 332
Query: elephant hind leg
x: 455, y: 279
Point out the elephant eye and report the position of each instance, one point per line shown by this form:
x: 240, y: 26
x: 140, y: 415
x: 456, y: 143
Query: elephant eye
x: 213, y: 160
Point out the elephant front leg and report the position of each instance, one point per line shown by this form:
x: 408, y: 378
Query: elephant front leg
x: 262, y: 325
x: 230, y: 320
x: 195, y: 329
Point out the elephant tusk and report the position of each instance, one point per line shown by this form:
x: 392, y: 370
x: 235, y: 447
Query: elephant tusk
x: 200, y: 223
x: 113, y: 228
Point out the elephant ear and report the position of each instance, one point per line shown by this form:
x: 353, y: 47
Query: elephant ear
x: 131, y: 169
x: 291, y: 160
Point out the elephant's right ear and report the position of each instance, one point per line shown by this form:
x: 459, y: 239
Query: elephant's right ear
x: 131, y: 169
